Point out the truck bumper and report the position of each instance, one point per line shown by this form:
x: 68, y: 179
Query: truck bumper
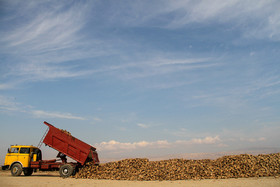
x: 5, y: 167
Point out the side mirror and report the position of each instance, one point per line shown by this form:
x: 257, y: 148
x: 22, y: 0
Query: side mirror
x: 9, y: 151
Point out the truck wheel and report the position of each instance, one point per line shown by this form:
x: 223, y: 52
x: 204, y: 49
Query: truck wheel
x: 28, y: 171
x: 16, y: 169
x: 66, y: 170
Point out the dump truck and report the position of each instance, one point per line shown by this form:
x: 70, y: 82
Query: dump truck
x: 28, y: 158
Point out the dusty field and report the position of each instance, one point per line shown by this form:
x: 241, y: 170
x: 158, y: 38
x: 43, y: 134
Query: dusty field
x: 53, y: 179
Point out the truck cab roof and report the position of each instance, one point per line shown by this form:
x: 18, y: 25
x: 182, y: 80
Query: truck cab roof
x: 27, y: 146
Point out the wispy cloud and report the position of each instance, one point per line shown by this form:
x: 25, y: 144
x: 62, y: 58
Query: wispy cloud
x: 7, y: 86
x: 52, y: 29
x: 241, y: 137
x: 166, y: 62
x: 8, y: 104
x: 254, y: 19
x: 253, y: 139
x: 264, y: 24
x: 45, y: 114
x: 260, y: 133
x: 162, y: 66
x: 43, y: 46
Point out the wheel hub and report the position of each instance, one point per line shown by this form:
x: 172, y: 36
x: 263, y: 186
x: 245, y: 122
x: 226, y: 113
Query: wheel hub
x: 65, y: 171
x: 15, y: 169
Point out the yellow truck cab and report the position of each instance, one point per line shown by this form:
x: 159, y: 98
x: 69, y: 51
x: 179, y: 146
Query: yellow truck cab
x: 19, y: 157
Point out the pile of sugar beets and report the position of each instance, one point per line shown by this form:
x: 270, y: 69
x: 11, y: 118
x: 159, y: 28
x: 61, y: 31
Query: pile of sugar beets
x: 237, y: 166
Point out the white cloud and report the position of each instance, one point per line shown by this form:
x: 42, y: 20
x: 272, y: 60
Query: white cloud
x: 206, y: 140
x: 142, y: 125
x: 44, y: 114
x: 115, y: 145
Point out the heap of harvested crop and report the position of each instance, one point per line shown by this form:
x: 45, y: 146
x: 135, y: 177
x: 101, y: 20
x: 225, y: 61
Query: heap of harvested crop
x: 66, y: 132
x: 179, y: 169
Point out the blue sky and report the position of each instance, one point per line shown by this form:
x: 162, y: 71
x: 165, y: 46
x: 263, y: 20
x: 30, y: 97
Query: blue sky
x: 142, y: 78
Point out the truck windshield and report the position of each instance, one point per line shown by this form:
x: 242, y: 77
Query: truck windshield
x: 14, y: 150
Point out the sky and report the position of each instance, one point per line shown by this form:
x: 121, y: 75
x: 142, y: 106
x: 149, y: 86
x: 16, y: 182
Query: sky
x: 141, y: 78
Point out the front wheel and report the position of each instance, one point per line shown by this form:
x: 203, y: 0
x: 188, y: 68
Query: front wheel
x: 66, y: 170
x: 16, y: 169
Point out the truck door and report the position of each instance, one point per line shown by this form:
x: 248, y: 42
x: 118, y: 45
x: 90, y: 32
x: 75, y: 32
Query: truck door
x: 24, y: 156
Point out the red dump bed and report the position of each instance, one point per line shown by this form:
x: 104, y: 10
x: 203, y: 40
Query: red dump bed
x: 65, y: 143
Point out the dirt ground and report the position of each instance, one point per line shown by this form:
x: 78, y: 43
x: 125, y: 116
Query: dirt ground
x: 53, y: 179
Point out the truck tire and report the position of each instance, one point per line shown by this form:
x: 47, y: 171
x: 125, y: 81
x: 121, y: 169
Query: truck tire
x: 28, y: 171
x: 16, y: 169
x: 66, y: 170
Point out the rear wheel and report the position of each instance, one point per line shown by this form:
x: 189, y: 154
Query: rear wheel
x: 28, y: 171
x: 16, y: 169
x: 66, y: 170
